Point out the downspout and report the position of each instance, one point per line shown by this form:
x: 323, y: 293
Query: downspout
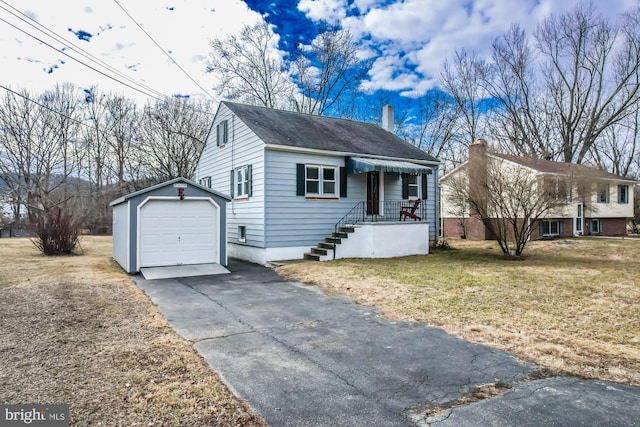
x: 437, y: 207
x: 233, y: 141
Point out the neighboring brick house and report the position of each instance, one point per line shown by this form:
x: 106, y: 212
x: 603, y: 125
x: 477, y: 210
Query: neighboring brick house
x: 602, y: 205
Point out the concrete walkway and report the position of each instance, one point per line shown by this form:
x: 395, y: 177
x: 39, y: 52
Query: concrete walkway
x: 301, y: 358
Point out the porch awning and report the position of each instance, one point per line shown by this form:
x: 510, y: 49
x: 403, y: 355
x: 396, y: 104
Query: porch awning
x: 362, y: 165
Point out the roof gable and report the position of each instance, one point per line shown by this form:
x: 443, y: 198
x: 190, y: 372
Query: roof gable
x: 307, y: 131
x: 167, y: 184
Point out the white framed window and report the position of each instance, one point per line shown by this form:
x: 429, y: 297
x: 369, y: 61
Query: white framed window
x: 221, y: 133
x: 242, y: 182
x: 242, y: 233
x: 596, y: 226
x: 321, y: 181
x: 558, y: 189
x: 413, y: 186
x: 603, y: 193
x: 550, y: 227
x: 623, y: 194
x: 205, y: 182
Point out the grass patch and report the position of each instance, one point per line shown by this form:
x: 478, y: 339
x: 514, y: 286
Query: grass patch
x: 76, y: 330
x: 570, y: 305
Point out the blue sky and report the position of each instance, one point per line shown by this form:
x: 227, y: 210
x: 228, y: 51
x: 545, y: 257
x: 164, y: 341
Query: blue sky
x: 408, y: 40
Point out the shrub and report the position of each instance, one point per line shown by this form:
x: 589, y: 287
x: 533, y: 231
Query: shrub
x: 56, y: 231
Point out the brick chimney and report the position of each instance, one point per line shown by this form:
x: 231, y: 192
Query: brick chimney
x: 477, y: 172
x: 387, y: 118
x: 478, y: 149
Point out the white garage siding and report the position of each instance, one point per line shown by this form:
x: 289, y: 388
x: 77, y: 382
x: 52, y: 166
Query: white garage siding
x: 178, y: 232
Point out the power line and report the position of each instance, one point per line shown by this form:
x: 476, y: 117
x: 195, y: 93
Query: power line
x: 164, y: 51
x: 75, y: 59
x: 148, y: 91
x: 45, y: 106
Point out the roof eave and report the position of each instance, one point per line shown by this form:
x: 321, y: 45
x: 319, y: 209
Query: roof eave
x: 292, y: 149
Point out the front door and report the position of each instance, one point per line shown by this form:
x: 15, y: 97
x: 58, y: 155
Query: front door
x: 578, y: 221
x: 373, y: 193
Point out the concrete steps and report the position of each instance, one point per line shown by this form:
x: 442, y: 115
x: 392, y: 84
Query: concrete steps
x: 323, y: 251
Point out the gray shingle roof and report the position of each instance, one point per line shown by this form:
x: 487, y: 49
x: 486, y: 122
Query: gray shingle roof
x: 287, y: 128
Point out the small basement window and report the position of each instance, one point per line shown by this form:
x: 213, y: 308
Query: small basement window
x: 242, y: 233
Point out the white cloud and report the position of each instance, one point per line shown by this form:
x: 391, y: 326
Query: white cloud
x: 422, y: 34
x: 331, y: 11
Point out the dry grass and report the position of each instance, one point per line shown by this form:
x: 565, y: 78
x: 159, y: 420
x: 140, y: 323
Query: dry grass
x: 572, y: 306
x: 76, y: 330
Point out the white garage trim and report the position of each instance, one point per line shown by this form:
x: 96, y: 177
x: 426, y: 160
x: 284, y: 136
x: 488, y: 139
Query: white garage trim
x: 216, y: 226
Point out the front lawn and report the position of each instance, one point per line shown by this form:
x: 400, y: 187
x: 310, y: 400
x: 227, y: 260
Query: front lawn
x: 571, y: 305
x: 76, y: 330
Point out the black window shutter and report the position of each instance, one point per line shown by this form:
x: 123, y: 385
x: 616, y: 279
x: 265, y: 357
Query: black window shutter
x: 300, y: 190
x: 405, y: 186
x: 343, y: 182
x: 424, y: 186
x: 250, y: 180
x: 232, y: 192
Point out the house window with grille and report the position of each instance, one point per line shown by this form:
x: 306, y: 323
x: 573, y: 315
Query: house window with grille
x: 603, y: 193
x: 596, y: 226
x: 413, y: 184
x: 320, y: 181
x: 241, y: 182
x: 221, y: 133
x: 623, y: 194
x: 550, y: 227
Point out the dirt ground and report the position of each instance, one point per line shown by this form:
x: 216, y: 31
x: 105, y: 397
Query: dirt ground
x: 76, y: 330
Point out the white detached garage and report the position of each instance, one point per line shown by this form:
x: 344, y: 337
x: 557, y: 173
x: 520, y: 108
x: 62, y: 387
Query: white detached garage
x: 174, y: 223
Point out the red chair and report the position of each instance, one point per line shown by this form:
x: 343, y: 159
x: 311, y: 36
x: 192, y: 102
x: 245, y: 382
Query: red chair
x: 410, y: 211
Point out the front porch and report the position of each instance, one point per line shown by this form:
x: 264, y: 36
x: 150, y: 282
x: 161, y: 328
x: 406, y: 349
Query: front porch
x: 382, y: 230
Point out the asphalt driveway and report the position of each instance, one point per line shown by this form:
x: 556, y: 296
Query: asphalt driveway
x: 301, y: 358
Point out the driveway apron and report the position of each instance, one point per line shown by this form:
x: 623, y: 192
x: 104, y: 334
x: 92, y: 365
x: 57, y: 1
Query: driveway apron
x: 302, y: 358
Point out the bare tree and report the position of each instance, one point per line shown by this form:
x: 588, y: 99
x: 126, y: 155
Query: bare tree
x: 463, y: 80
x: 619, y: 148
x: 250, y: 68
x: 172, y: 134
x: 327, y: 70
x: 523, y: 121
x: 39, y: 156
x: 36, y: 147
x: 434, y: 128
x: 635, y: 222
x: 592, y: 71
x: 121, y: 121
x: 507, y: 198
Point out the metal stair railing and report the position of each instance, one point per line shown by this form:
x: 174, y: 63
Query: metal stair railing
x: 388, y: 211
x: 356, y: 215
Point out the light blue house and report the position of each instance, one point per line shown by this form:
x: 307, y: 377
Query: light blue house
x: 318, y: 187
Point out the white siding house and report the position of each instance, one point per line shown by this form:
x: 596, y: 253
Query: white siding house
x: 590, y: 201
x: 302, y: 184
